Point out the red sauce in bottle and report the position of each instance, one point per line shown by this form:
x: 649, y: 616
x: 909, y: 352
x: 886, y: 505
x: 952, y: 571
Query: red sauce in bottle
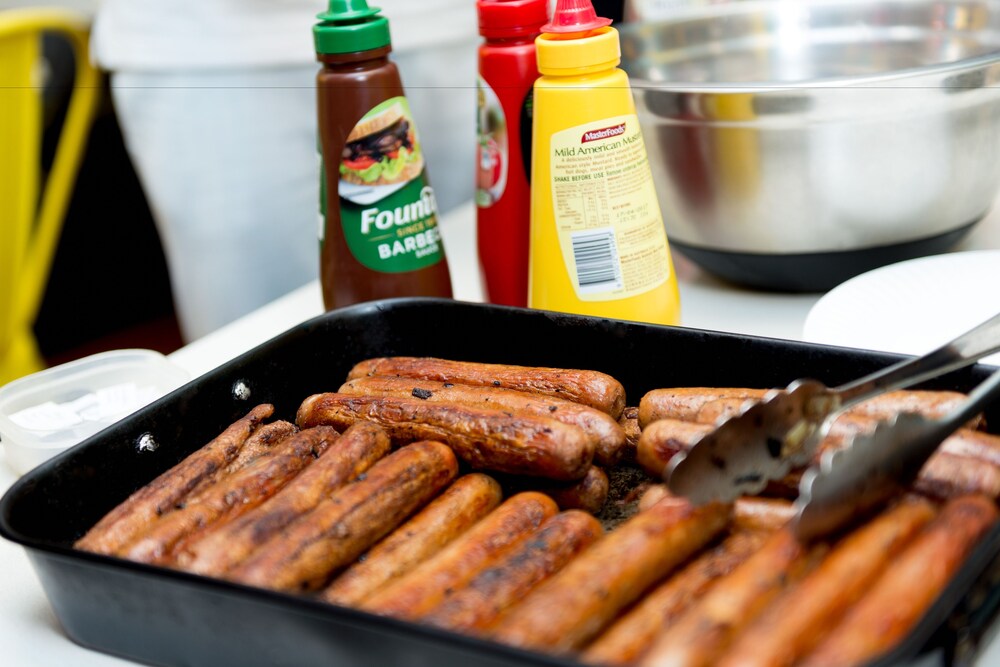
x: 379, y: 234
x: 507, y: 72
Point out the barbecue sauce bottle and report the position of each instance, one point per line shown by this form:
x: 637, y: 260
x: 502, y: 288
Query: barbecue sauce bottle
x: 378, y: 232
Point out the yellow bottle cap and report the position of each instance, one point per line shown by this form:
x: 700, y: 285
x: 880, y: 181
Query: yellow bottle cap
x: 578, y: 53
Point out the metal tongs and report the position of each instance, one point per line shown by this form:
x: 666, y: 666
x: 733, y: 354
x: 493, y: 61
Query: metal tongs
x: 772, y: 436
x: 874, y: 466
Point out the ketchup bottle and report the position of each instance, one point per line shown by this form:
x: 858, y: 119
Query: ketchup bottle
x: 378, y: 233
x: 507, y: 71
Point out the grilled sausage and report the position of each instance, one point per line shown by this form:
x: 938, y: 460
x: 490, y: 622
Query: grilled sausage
x: 592, y: 388
x: 933, y: 404
x: 160, y: 496
x: 486, y: 439
x: 750, y: 513
x: 259, y: 444
x: 797, y: 620
x: 685, y: 402
x: 950, y: 476
x: 626, y: 640
x: 427, y: 585
x: 449, y: 515
x: 707, y: 628
x: 607, y: 434
x: 973, y: 444
x: 231, y: 496
x: 340, y: 528
x: 515, y: 572
x: 899, y: 597
x: 565, y: 612
x: 589, y: 494
x: 664, y: 438
x: 630, y: 424
x: 221, y: 549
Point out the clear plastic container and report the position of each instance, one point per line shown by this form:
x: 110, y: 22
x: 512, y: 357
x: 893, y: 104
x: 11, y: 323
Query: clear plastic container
x: 47, y: 412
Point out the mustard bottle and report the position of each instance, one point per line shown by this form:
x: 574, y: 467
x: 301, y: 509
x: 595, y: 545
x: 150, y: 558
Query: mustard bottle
x: 598, y: 246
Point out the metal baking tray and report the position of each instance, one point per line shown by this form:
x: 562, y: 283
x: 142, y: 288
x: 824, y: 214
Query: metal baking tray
x: 164, y: 617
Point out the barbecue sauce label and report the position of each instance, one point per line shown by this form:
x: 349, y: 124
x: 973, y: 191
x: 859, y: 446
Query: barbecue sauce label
x: 387, y: 207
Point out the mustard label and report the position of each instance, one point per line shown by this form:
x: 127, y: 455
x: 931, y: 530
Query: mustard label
x: 607, y: 215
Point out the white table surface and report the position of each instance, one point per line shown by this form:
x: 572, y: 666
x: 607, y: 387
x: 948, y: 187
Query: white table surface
x: 30, y: 633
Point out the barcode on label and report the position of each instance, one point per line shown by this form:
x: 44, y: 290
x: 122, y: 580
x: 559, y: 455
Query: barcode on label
x: 596, y: 257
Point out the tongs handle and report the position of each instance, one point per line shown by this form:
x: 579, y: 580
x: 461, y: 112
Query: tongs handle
x: 852, y: 481
x: 968, y: 348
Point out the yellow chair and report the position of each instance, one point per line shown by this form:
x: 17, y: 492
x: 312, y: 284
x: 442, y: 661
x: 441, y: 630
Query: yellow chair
x: 31, y: 213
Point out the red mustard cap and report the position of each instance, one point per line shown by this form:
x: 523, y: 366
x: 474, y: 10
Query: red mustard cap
x: 511, y: 18
x: 574, y: 16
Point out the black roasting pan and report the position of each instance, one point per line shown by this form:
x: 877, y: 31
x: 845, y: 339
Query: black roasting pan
x: 159, y: 616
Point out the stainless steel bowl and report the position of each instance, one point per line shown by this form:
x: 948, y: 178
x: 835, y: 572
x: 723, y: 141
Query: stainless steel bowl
x: 797, y: 143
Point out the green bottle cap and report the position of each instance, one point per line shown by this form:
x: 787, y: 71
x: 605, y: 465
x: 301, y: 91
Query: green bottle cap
x: 349, y: 26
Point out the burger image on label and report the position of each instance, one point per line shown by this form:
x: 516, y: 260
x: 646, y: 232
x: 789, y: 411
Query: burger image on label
x: 381, y: 150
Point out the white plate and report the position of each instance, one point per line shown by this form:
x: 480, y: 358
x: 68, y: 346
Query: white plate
x: 911, y: 307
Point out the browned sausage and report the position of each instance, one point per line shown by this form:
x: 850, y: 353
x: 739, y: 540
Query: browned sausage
x: 259, y: 443
x: 485, y: 439
x: 340, y: 528
x: 231, y: 496
x: 160, y: 496
x: 750, y: 513
x: 630, y: 424
x: 626, y: 640
x: 685, y: 402
x: 933, y: 404
x: 949, y: 476
x: 706, y: 628
x: 598, y: 390
x: 221, y: 549
x: 607, y: 434
x: 753, y: 513
x: 900, y: 596
x: 791, y: 626
x: 664, y: 438
x: 515, y: 572
x: 588, y: 494
x: 414, y: 594
x: 449, y: 515
x: 973, y: 444
x: 565, y: 612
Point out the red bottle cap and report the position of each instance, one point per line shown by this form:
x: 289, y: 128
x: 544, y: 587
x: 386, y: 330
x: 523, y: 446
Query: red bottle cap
x: 574, y: 16
x: 511, y: 18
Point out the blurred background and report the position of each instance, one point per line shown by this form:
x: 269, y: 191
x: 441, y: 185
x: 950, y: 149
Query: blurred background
x: 108, y: 287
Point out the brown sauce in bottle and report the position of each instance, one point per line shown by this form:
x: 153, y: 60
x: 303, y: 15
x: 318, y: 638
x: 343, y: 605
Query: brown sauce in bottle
x: 379, y: 234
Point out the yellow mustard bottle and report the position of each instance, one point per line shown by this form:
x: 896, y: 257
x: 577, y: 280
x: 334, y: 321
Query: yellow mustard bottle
x: 598, y: 246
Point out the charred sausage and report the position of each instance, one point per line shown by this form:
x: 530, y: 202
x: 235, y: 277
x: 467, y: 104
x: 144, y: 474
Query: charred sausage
x: 592, y: 388
x: 565, y: 612
x: 448, y: 516
x: 231, y: 496
x: 630, y: 636
x: 302, y: 556
x: 219, y: 550
x: 515, y: 572
x: 426, y: 586
x: 797, y: 621
x: 607, y: 434
x: 485, y: 439
x: 161, y: 495
x: 896, y: 600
